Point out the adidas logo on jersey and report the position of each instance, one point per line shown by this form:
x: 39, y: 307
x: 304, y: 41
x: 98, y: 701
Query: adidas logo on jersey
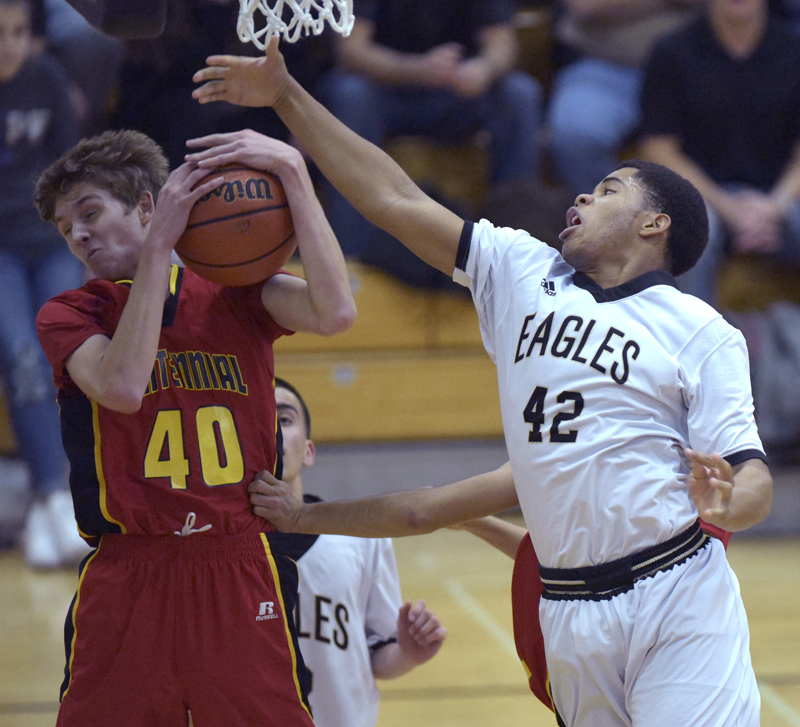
x: 549, y: 286
x: 266, y: 611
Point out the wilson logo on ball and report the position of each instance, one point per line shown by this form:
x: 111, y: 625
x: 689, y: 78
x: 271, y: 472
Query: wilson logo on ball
x: 252, y: 188
x: 240, y: 233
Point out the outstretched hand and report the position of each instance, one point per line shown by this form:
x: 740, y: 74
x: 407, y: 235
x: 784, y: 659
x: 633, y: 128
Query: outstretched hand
x: 273, y: 500
x: 242, y: 80
x: 710, y: 486
x: 420, y: 634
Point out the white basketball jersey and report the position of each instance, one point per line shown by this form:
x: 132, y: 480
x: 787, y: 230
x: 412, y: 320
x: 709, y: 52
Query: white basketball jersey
x: 600, y: 392
x: 349, y: 598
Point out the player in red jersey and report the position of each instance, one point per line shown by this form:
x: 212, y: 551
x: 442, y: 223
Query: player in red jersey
x: 168, y: 411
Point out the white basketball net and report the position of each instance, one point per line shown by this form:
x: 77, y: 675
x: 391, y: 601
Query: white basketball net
x: 307, y: 16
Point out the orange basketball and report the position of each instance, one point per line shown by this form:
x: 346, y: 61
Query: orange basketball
x: 242, y: 232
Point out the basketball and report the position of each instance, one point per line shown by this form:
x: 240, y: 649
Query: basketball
x: 242, y: 232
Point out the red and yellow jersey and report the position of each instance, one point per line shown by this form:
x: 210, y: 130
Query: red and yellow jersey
x: 207, y: 423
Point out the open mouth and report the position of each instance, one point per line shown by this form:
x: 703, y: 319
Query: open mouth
x: 573, y: 221
x: 573, y: 218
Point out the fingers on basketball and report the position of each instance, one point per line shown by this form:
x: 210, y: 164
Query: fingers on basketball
x: 240, y: 233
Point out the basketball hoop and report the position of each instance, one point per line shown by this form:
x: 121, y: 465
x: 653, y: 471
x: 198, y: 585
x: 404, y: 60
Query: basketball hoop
x: 307, y: 16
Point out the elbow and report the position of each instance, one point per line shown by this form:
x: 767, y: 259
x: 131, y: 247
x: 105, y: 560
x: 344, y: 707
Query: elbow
x: 122, y: 399
x: 414, y: 522
x: 339, y: 320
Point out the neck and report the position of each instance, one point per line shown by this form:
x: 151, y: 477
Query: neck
x: 740, y: 34
x: 611, y: 276
x: 296, y: 486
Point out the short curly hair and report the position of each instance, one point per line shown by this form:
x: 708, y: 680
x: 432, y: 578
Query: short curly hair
x: 670, y: 193
x: 126, y: 163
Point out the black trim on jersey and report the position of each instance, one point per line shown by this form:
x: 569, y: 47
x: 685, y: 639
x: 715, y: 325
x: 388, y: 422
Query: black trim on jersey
x: 627, y: 289
x: 464, y: 243
x: 278, y: 452
x: 286, y: 588
x: 77, y: 435
x: 744, y: 455
x: 171, y: 304
x: 69, y: 635
x: 381, y: 644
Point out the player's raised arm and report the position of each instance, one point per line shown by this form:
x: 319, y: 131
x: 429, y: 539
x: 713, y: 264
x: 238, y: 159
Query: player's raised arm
x: 373, y: 183
x: 407, y: 512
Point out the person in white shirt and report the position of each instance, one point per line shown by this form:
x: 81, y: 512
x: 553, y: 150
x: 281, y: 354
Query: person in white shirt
x: 353, y: 626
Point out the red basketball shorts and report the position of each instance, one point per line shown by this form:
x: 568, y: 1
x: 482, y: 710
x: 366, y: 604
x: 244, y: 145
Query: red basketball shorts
x: 526, y: 592
x: 165, y: 625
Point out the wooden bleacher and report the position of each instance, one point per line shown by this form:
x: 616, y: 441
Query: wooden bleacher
x: 411, y: 367
x: 8, y: 444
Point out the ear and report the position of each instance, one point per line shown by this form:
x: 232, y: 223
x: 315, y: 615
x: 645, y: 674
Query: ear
x: 656, y: 224
x: 310, y: 454
x: 146, y: 207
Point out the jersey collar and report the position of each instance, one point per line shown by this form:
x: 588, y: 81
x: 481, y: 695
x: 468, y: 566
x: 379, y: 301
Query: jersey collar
x: 627, y: 289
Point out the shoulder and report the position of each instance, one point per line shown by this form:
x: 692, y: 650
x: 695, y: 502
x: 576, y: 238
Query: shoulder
x: 704, y: 330
x: 92, y: 295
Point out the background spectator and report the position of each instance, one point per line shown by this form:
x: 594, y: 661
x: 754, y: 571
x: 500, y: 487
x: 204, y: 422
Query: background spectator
x: 594, y: 104
x: 38, y: 125
x: 721, y: 106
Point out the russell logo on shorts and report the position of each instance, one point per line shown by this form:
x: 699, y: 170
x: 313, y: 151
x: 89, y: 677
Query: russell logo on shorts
x: 266, y: 610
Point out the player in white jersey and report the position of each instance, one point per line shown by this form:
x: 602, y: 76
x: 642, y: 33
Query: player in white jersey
x: 627, y: 412
x: 352, y: 624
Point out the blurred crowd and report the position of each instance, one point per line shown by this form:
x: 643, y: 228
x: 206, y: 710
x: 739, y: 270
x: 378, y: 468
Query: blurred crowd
x: 710, y: 88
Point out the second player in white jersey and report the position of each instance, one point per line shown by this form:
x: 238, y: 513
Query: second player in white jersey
x: 349, y: 598
x: 352, y: 624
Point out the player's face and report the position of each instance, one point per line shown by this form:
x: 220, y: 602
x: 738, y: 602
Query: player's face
x: 604, y: 224
x: 298, y: 450
x: 101, y: 231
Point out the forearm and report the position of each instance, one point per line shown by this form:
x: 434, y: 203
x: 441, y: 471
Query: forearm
x: 499, y: 49
x: 383, y: 64
x: 389, y: 662
x: 786, y: 191
x: 332, y: 308
x: 373, y: 183
x: 620, y: 9
x: 412, y: 512
x: 498, y: 533
x: 118, y: 378
x: 751, y: 497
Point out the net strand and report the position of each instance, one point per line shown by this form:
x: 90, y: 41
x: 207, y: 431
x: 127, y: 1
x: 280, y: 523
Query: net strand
x: 307, y: 17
